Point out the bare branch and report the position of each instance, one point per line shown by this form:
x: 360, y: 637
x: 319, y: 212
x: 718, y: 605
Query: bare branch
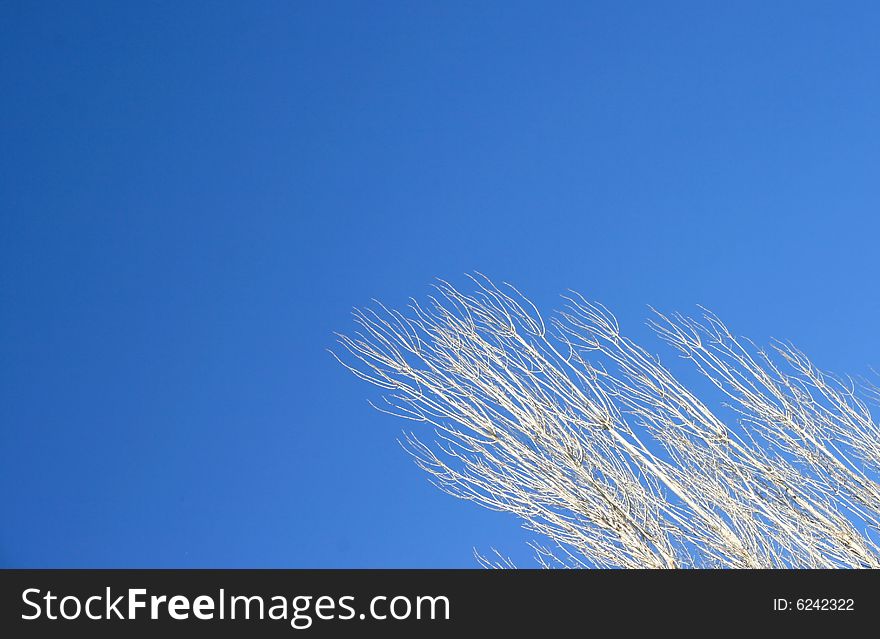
x: 606, y: 454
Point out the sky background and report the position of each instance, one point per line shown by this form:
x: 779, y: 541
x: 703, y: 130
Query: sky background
x: 194, y: 195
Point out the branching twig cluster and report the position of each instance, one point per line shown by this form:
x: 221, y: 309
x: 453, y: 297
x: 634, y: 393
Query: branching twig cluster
x: 602, y: 451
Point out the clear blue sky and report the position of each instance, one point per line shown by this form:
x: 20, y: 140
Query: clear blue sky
x: 194, y: 195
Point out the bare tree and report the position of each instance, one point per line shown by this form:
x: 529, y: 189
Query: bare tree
x: 606, y: 455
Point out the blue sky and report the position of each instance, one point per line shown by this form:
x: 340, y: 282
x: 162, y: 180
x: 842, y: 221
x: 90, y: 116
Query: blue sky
x: 194, y: 195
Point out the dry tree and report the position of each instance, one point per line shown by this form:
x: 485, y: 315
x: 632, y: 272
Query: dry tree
x: 606, y: 455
